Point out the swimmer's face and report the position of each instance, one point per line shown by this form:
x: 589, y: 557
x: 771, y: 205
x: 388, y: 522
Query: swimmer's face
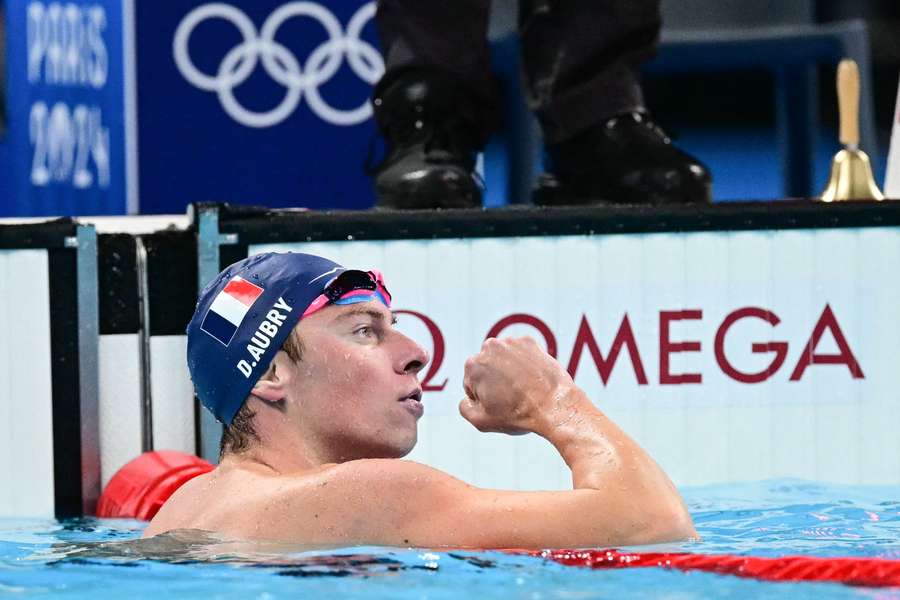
x: 355, y: 381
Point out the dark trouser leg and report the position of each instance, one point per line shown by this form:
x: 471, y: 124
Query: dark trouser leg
x: 580, y: 60
x: 436, y: 104
x: 443, y: 36
x: 580, y: 57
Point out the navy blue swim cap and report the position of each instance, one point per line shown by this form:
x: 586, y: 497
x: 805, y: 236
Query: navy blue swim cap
x: 242, y: 319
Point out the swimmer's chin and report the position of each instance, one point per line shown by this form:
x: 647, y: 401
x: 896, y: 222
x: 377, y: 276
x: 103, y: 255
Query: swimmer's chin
x: 399, y: 450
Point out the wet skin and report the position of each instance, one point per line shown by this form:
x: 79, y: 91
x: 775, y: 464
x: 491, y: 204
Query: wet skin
x: 333, y: 426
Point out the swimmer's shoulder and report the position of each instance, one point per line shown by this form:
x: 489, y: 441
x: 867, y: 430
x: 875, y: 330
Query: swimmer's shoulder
x: 340, y: 504
x: 372, y: 485
x: 213, y: 501
x: 234, y: 500
x: 176, y: 512
x: 384, y: 471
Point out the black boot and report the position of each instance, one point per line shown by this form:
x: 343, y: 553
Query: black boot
x: 625, y: 160
x: 431, y: 148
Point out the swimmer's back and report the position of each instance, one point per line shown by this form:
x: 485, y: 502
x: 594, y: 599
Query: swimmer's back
x: 245, y: 503
x: 357, y: 502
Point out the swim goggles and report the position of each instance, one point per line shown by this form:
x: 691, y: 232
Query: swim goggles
x: 350, y: 287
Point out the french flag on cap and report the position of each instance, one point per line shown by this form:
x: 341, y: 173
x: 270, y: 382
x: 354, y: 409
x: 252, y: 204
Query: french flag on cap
x: 229, y: 308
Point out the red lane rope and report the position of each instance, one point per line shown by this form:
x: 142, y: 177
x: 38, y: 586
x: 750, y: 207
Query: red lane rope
x: 869, y: 572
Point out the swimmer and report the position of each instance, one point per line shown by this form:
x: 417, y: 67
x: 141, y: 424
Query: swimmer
x: 320, y: 398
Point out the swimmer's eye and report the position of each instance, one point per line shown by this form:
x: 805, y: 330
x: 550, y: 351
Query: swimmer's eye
x: 366, y: 331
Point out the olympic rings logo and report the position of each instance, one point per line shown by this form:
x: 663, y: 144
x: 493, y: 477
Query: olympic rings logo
x: 280, y: 63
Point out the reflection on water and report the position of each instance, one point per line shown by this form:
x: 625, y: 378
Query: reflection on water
x: 191, y: 546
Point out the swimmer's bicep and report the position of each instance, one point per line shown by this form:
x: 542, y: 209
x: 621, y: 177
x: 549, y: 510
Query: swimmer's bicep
x: 576, y: 518
x: 416, y: 505
x: 486, y: 518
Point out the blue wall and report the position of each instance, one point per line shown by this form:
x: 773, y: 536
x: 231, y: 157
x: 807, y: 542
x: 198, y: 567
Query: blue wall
x: 205, y: 136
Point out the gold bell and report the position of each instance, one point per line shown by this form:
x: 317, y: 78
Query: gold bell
x: 851, y: 173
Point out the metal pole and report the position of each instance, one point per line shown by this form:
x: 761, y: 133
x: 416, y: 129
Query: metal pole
x: 88, y: 373
x: 207, y: 222
x: 143, y: 286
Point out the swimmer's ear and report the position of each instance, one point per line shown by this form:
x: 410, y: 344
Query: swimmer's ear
x: 268, y: 390
x: 270, y: 386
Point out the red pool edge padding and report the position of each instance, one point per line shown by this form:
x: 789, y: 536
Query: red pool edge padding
x: 142, y: 486
x: 868, y: 572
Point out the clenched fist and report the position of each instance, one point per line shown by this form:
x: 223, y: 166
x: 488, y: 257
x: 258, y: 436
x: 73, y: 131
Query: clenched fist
x: 513, y: 386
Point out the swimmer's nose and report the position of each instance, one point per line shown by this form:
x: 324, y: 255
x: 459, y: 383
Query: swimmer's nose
x: 412, y: 358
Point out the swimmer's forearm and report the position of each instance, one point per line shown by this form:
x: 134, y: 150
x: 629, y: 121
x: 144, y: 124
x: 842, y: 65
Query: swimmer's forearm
x: 596, y: 450
x: 584, y: 437
x: 608, y: 464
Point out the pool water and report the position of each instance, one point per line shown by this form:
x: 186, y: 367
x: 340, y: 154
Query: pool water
x: 88, y: 558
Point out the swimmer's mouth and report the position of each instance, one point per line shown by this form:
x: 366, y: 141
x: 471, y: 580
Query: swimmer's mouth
x: 415, y: 395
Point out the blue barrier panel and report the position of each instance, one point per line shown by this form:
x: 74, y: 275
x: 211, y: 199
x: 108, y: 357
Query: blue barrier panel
x: 63, y: 151
x: 255, y: 102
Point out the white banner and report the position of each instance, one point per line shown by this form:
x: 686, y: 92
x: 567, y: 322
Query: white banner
x: 892, y: 177
x: 729, y: 356
x: 26, y: 394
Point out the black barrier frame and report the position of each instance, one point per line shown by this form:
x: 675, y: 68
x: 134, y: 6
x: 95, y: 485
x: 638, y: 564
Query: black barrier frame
x: 74, y: 328
x: 246, y: 227
x: 224, y: 232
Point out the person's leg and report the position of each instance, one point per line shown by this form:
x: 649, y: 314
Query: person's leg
x: 580, y: 63
x: 444, y: 36
x: 437, y: 102
x: 579, y: 59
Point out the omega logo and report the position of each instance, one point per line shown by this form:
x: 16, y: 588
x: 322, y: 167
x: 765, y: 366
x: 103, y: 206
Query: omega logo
x: 625, y: 341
